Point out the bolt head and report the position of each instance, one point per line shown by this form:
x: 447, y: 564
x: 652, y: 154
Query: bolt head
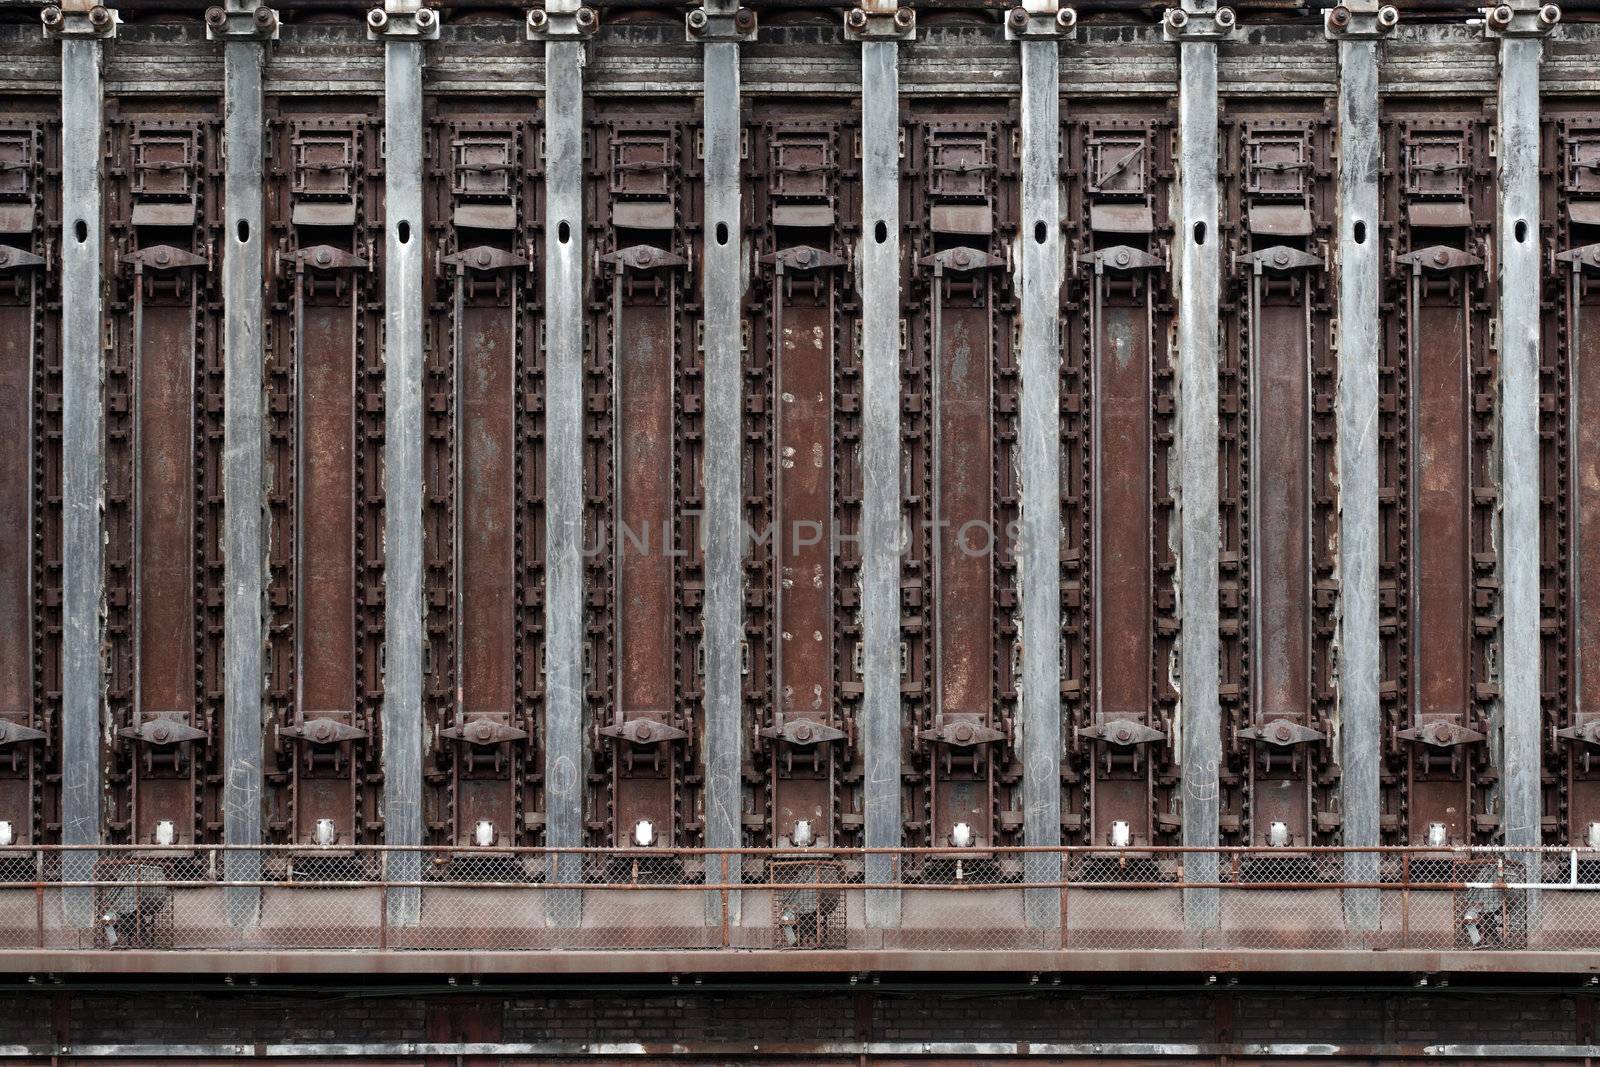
x: 1177, y: 18
x: 323, y: 257
x: 216, y: 18
x: 856, y: 19
x: 1501, y: 16
x: 586, y: 18
x: 377, y: 18
x: 1018, y: 17
x: 99, y: 17
x: 1225, y: 17
x: 425, y: 18
x: 904, y: 17
x: 802, y: 732
x: 1388, y: 17
x: 484, y: 257
x: 744, y: 18
x: 51, y: 17
x: 1067, y: 18
x: 266, y: 18
x: 1339, y: 17
x: 537, y: 19
x: 1549, y: 15
x: 1123, y: 259
x: 697, y: 19
x: 1281, y: 258
x: 960, y: 257
x: 1124, y: 734
x: 163, y: 257
x: 1441, y: 257
x: 5, y: 257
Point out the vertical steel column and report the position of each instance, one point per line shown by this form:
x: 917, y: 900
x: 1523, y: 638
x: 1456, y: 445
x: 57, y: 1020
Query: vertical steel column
x: 1357, y: 27
x: 879, y: 271
x: 721, y: 25
x: 1197, y: 27
x: 559, y: 26
x: 1521, y: 31
x: 245, y: 29
x: 403, y: 25
x: 82, y: 424
x: 1039, y: 275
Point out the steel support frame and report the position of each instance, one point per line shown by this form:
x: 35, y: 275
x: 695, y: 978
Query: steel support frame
x: 1517, y: 240
x: 83, y: 456
x: 402, y: 459
x: 722, y: 524
x: 879, y: 273
x: 1359, y: 664
x: 1040, y: 434
x: 1199, y: 711
x: 244, y: 542
x: 565, y: 758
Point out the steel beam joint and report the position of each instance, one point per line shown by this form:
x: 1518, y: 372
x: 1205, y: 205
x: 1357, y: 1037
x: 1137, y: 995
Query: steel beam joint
x: 241, y: 24
x: 1023, y: 24
x: 1195, y: 26
x: 707, y: 25
x: 880, y: 23
x: 78, y: 20
x: 399, y: 22
x: 1360, y: 20
x: 546, y: 24
x: 1519, y: 20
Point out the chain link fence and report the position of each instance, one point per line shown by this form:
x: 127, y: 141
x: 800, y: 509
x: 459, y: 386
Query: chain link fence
x: 380, y: 899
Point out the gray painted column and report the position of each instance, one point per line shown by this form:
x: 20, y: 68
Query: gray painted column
x: 244, y: 542
x: 722, y: 523
x: 1517, y: 241
x: 563, y: 301
x: 1360, y: 715
x: 1039, y: 265
x: 402, y: 444
x: 83, y: 458
x: 879, y: 273
x: 1197, y: 27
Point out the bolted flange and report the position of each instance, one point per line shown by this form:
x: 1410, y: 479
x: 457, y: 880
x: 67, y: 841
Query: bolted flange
x: 419, y: 25
x: 712, y: 27
x: 1199, y: 26
x: 577, y: 25
x: 1359, y: 20
x: 1518, y: 20
x: 1022, y: 24
x: 260, y: 24
x: 99, y: 22
x: 863, y: 25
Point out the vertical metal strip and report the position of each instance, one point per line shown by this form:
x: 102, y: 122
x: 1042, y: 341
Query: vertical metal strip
x: 402, y: 460
x: 83, y: 459
x: 1200, y: 712
x: 243, y: 480
x: 1360, y: 715
x: 1518, y: 244
x: 563, y: 296
x: 1040, y: 431
x: 880, y: 464
x: 722, y: 523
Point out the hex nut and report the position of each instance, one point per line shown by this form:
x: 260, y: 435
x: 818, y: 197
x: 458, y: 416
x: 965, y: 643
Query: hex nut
x: 1388, y: 16
x: 856, y: 19
x: 216, y: 18
x: 51, y: 17
x: 697, y: 19
x: 1067, y: 18
x: 425, y: 18
x: 1177, y: 18
x: 99, y: 17
x: 1549, y: 14
x: 1225, y: 18
x: 377, y: 19
x: 904, y: 18
x: 586, y: 18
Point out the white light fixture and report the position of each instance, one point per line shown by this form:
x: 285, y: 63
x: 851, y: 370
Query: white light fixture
x: 483, y: 834
x: 961, y: 835
x: 1121, y: 834
x: 166, y: 833
x: 1278, y: 835
x: 644, y: 833
x: 8, y: 836
x: 324, y: 833
x: 802, y: 836
x: 1438, y: 836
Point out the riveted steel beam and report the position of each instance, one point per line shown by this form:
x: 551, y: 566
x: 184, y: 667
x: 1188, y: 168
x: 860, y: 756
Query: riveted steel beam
x: 244, y: 29
x: 403, y: 26
x: 1360, y: 715
x: 565, y: 751
x: 83, y: 436
x: 879, y: 271
x: 1197, y: 26
x: 1039, y: 267
x: 1520, y: 30
x: 722, y: 522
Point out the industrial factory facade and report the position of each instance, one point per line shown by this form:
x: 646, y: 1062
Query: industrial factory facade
x: 827, y: 534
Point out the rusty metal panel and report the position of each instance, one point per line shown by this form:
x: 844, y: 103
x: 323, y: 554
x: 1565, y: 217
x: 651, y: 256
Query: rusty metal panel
x: 1117, y: 389
x: 1436, y: 416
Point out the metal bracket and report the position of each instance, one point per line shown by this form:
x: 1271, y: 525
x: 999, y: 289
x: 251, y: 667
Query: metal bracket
x: 1025, y: 25
x: 579, y: 25
x: 484, y: 732
x: 1198, y: 27
x: 419, y: 25
x: 803, y: 733
x: 711, y: 27
x: 1120, y: 259
x: 802, y: 258
x: 325, y: 257
x: 1124, y: 732
x: 1588, y: 733
x: 12, y: 733
x: 162, y: 731
x: 98, y: 22
x: 13, y: 258
x: 1440, y: 734
x: 955, y: 260
x: 223, y: 24
x: 1359, y: 20
x: 643, y: 732
x: 322, y: 731
x: 1280, y: 732
x: 1504, y: 20
x: 643, y: 257
x: 863, y: 25
x: 1578, y: 258
x: 1279, y: 259
x: 1438, y: 259
x: 484, y: 258
x: 164, y: 257
x: 963, y: 734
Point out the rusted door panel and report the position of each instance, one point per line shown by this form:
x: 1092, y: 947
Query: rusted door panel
x: 17, y: 290
x: 1437, y: 412
x: 327, y: 507
x: 487, y: 397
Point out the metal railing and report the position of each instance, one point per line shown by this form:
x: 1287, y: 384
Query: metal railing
x: 376, y: 898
